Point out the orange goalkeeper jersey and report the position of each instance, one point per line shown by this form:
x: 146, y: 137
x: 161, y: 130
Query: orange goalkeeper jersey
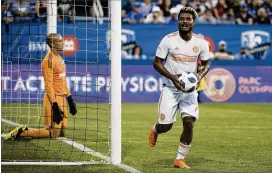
x: 54, y: 74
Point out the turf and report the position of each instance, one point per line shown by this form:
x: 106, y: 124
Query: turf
x: 227, y: 138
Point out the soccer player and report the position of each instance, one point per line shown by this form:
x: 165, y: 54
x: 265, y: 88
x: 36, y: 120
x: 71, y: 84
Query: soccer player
x: 56, y: 93
x: 180, y: 51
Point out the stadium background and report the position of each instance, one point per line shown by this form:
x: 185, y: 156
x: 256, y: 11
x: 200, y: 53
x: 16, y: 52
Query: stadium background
x: 240, y: 80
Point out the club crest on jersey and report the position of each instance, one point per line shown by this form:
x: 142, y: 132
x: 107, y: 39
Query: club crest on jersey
x: 195, y: 49
x: 162, y: 116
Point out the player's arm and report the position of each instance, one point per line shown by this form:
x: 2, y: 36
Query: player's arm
x: 158, y: 66
x: 47, y: 72
x: 71, y: 103
x: 161, y: 55
x: 67, y: 89
x: 205, y: 61
x: 205, y: 65
x: 37, y: 8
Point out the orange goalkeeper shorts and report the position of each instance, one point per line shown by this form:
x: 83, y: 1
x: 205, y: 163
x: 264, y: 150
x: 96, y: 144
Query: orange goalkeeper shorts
x: 48, y: 120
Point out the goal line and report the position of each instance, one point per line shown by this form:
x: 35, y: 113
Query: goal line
x: 105, y: 159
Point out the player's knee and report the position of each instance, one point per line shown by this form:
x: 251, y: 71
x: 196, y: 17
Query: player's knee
x: 188, y: 122
x: 163, y: 128
x: 55, y: 133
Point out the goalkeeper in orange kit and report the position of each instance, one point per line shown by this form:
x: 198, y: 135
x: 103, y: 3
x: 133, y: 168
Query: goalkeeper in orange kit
x: 56, y: 94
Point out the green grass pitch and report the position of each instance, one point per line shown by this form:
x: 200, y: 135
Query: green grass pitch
x: 228, y: 138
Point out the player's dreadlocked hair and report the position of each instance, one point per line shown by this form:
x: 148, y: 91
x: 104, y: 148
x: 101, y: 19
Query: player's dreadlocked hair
x: 189, y: 10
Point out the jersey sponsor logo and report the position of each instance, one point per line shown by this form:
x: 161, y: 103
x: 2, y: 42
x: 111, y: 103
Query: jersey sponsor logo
x: 195, y: 49
x: 71, y: 45
x: 183, y: 58
x: 221, y: 85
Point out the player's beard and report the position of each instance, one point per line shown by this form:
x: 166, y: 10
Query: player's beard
x: 183, y: 31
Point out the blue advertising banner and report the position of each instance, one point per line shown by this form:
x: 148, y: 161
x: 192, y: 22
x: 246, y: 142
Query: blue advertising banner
x: 140, y: 84
x: 85, y: 42
x: 238, y: 84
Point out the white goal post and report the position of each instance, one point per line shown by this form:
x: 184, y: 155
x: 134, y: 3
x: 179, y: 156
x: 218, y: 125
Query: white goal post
x: 115, y: 56
x: 115, y: 90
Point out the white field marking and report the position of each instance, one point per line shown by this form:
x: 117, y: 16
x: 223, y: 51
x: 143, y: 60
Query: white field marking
x: 54, y: 163
x: 84, y: 149
x: 232, y: 127
x: 232, y: 111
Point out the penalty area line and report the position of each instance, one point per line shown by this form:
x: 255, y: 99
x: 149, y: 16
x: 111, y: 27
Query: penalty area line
x: 83, y: 149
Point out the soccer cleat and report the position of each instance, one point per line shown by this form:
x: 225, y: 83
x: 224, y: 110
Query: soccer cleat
x: 15, y: 133
x: 152, y: 138
x: 180, y: 164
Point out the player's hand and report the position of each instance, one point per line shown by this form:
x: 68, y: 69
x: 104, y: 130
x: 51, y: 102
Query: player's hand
x: 176, y: 81
x: 72, y: 105
x: 57, y: 113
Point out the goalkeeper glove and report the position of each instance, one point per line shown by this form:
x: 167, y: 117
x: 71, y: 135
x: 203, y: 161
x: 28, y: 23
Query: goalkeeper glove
x: 57, y: 113
x: 72, y: 105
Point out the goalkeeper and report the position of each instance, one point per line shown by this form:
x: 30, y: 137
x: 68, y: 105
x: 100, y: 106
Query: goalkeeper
x: 56, y: 94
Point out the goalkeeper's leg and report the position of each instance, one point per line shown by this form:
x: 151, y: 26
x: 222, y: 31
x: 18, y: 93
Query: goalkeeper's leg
x: 62, y: 101
x: 23, y: 131
x: 36, y: 133
x: 51, y: 130
x: 48, y: 131
x: 56, y: 130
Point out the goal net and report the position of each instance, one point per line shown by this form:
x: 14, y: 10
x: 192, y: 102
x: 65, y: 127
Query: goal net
x: 93, y: 73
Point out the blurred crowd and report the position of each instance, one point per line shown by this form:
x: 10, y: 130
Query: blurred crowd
x: 144, y: 11
x: 222, y: 53
x: 36, y: 10
x: 209, y: 11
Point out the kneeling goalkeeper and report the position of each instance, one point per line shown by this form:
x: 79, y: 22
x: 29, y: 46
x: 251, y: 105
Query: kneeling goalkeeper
x: 56, y: 94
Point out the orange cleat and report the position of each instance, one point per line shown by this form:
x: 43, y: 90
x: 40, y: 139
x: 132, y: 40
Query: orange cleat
x: 152, y: 138
x: 180, y: 164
